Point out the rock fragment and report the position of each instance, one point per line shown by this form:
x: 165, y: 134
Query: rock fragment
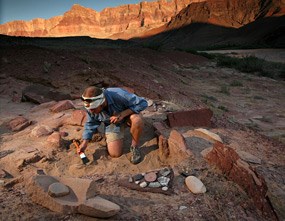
x: 195, y: 185
x: 19, y: 123
x: 58, y: 189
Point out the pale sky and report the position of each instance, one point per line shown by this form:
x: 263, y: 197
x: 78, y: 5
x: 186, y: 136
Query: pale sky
x: 29, y: 9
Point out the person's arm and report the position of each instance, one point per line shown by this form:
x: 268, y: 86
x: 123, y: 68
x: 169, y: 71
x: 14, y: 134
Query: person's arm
x: 90, y: 127
x: 119, y: 117
x: 133, y: 104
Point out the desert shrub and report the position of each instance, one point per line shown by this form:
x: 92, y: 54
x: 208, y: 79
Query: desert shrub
x: 210, y: 98
x: 46, y: 66
x: 236, y: 83
x: 225, y: 89
x: 223, y: 108
x: 249, y: 64
x: 253, y: 64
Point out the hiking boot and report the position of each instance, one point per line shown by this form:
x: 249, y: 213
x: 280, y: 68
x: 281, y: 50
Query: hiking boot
x: 136, y: 155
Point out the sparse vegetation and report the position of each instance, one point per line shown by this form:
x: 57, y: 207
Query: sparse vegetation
x: 236, y: 83
x: 46, y: 66
x: 249, y: 64
x: 253, y: 64
x: 223, y: 108
x: 210, y: 98
x: 225, y: 89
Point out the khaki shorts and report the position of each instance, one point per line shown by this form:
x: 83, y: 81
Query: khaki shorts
x: 115, y: 133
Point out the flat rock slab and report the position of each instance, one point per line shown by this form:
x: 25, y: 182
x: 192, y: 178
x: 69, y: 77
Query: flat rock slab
x: 41, y: 94
x: 135, y: 186
x: 81, y: 197
x: 99, y: 207
x: 195, y: 118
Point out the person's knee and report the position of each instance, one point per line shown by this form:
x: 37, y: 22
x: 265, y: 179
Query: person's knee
x: 115, y: 155
x: 136, y: 121
x: 115, y: 148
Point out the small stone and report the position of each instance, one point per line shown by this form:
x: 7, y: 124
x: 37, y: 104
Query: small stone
x: 149, y: 103
x: 150, y: 177
x: 143, y: 184
x: 58, y: 190
x: 164, y: 172
x: 55, y: 139
x: 154, y: 184
x: 137, y: 182
x: 41, y: 130
x: 19, y: 123
x: 165, y: 188
x: 2, y: 182
x: 138, y: 177
x: 40, y: 172
x: 63, y: 134
x: 130, y: 179
x: 182, y: 207
x: 163, y: 180
x: 195, y: 185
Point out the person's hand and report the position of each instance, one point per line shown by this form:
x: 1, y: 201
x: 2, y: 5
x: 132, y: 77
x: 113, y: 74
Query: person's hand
x: 116, y: 119
x: 82, y: 146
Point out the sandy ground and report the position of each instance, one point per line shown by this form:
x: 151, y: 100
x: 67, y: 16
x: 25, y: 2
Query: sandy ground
x: 248, y: 117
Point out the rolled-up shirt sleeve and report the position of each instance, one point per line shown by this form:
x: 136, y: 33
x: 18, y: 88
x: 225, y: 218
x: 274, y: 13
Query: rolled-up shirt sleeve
x: 90, y: 127
x: 135, y: 103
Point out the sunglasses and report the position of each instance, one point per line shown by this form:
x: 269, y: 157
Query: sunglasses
x: 89, y: 100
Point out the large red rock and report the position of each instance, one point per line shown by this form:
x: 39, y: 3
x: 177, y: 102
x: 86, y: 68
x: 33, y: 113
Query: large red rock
x: 77, y: 118
x: 194, y: 118
x: 174, y: 149
x: 237, y: 170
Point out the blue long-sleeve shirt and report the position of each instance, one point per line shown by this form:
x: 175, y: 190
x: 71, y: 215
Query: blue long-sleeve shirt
x: 118, y: 100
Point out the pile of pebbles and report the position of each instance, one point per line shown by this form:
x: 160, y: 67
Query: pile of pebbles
x: 154, y: 179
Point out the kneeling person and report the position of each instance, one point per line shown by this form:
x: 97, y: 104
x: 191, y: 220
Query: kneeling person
x: 115, y: 107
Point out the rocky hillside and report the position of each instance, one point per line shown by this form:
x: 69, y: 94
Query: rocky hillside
x: 146, y: 18
x: 227, y: 13
x: 223, y: 24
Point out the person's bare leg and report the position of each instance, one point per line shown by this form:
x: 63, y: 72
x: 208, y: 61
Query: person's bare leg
x: 136, y: 128
x: 136, y: 124
x: 115, y: 148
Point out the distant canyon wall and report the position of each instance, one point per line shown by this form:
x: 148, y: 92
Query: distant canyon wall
x: 145, y: 18
x: 81, y: 21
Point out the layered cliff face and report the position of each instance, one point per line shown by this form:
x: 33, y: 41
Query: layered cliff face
x: 227, y: 13
x: 80, y: 21
x: 145, y: 18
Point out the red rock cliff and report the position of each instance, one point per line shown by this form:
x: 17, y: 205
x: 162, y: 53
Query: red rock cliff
x: 139, y: 19
x: 80, y: 21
